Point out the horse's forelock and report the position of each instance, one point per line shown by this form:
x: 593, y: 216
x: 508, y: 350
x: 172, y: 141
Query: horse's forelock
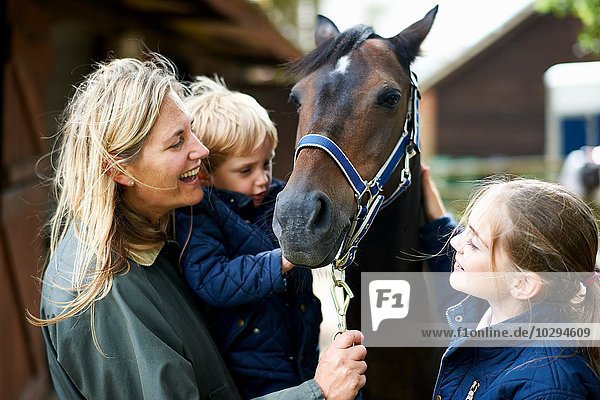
x: 332, y: 50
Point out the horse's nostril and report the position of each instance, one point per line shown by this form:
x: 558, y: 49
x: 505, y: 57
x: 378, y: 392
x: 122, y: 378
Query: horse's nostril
x: 321, y: 214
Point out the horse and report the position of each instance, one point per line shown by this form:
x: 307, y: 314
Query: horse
x: 355, y: 98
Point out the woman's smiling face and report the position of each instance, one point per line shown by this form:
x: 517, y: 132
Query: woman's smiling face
x: 165, y: 175
x: 472, y: 272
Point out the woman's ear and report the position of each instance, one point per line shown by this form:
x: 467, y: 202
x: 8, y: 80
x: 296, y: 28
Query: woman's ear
x: 117, y: 174
x: 525, y: 285
x: 121, y: 178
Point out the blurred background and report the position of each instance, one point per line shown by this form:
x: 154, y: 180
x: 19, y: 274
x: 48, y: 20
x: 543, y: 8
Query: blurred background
x: 496, y: 97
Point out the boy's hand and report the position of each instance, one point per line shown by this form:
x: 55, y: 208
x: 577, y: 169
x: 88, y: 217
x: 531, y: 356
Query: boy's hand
x: 432, y: 201
x: 285, y: 265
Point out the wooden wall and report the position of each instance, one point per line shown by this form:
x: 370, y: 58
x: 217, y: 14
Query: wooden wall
x: 494, y: 103
x: 22, y: 199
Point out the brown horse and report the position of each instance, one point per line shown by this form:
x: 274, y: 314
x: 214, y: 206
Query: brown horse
x: 356, y: 90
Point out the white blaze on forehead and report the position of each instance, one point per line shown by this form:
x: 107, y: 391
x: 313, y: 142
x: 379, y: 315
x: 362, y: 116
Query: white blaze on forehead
x: 342, y: 65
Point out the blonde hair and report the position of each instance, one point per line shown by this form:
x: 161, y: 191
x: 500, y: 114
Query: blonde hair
x: 543, y: 227
x: 105, y: 125
x: 227, y: 122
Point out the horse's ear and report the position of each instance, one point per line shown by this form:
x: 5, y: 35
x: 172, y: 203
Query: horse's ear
x: 409, y: 41
x: 325, y: 30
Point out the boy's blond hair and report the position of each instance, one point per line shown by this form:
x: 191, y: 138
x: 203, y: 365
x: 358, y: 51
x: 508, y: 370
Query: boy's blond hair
x: 229, y: 123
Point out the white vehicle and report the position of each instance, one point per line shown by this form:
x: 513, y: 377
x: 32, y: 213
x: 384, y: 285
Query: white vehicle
x: 573, y: 124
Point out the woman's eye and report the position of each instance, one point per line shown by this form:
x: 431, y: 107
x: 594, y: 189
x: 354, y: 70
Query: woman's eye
x: 178, y: 144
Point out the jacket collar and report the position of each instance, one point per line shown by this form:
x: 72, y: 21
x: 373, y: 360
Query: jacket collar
x: 470, y: 310
x: 242, y: 201
x: 467, y: 313
x: 146, y: 257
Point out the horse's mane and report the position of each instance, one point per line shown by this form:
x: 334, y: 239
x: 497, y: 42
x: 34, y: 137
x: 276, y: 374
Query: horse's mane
x: 331, y: 50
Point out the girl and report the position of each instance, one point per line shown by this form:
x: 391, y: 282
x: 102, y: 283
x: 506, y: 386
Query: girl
x: 515, y: 234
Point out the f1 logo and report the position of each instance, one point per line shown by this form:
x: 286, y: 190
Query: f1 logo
x: 389, y: 299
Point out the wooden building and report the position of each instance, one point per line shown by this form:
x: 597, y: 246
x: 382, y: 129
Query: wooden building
x: 490, y: 101
x: 47, y: 46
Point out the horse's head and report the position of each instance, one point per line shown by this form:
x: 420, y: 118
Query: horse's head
x: 354, y: 89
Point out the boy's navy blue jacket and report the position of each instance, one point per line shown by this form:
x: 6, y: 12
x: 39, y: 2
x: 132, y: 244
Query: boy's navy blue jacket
x: 265, y: 324
x: 491, y: 373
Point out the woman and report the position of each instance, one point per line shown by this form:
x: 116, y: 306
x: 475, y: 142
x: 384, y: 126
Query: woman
x: 117, y: 319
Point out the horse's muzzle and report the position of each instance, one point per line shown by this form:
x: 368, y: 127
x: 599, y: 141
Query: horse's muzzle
x: 307, y: 227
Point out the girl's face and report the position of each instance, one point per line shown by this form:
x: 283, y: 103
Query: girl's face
x: 472, y: 272
x: 165, y: 176
x: 249, y: 175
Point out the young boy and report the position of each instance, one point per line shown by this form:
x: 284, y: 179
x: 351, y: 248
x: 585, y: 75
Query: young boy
x: 265, y: 317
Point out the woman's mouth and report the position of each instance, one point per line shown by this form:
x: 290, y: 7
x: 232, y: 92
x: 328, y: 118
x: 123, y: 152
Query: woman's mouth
x: 189, y: 176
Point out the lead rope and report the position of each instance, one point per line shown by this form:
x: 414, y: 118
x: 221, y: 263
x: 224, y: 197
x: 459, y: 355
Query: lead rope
x: 341, y: 291
x: 341, y: 295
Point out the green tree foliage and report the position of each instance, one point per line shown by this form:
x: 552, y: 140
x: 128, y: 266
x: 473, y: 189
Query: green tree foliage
x: 587, y: 11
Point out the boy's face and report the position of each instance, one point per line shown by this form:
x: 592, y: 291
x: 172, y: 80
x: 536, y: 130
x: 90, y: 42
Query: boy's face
x: 249, y: 175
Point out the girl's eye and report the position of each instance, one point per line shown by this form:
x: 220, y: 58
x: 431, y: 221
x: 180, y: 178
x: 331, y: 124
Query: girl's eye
x: 471, y: 244
x: 267, y: 164
x: 245, y: 170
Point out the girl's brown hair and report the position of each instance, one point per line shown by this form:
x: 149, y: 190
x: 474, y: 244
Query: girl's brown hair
x: 543, y: 227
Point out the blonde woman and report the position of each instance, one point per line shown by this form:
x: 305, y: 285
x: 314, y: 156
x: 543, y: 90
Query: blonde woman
x: 117, y: 319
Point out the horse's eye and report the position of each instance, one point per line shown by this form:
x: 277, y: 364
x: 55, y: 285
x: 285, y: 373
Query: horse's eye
x: 294, y: 100
x: 390, y: 99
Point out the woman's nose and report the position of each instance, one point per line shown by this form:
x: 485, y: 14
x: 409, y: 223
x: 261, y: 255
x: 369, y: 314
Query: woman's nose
x: 199, y: 150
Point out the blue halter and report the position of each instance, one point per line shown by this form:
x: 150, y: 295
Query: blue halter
x: 369, y: 194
